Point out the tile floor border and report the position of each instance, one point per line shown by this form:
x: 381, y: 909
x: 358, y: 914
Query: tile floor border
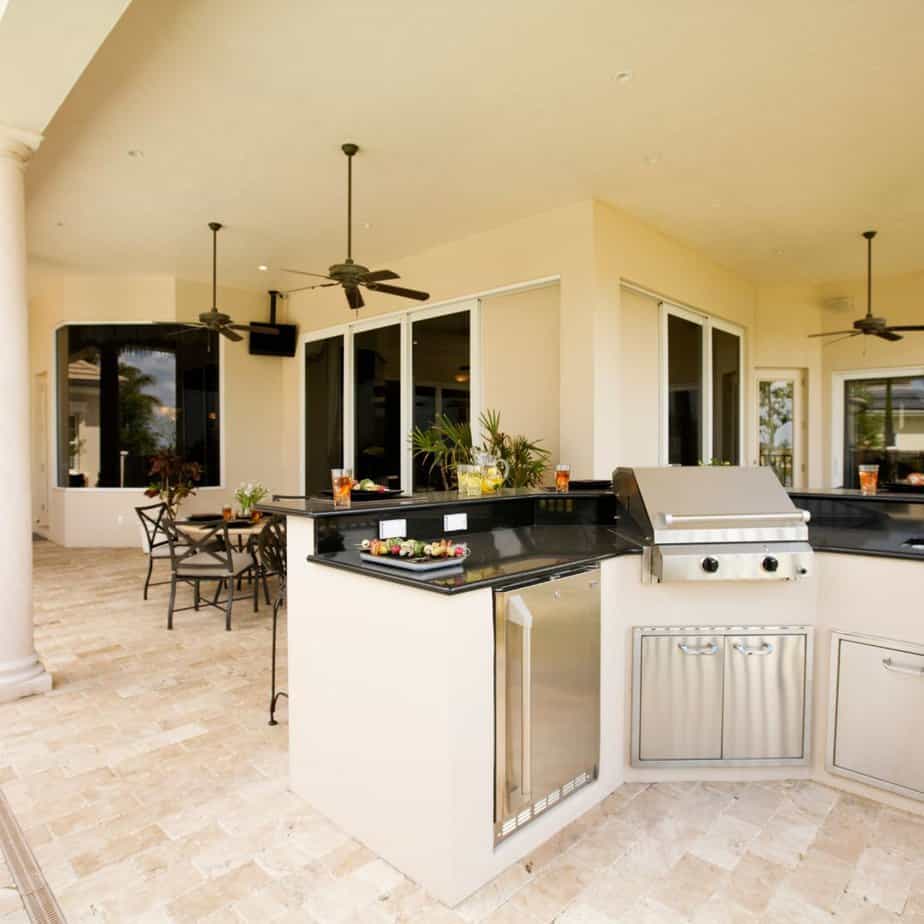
x: 34, y: 892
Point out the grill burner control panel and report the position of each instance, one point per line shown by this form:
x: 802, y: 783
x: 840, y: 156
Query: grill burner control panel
x: 733, y: 561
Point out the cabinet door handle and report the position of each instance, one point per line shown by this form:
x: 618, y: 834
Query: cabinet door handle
x: 765, y: 649
x: 902, y: 669
x: 703, y: 650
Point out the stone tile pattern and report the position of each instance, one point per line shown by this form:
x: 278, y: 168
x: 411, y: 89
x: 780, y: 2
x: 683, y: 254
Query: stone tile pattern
x: 152, y: 790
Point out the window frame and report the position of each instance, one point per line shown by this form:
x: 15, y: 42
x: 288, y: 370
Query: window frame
x: 839, y: 380
x: 404, y: 319
x: 707, y: 323
x: 55, y: 415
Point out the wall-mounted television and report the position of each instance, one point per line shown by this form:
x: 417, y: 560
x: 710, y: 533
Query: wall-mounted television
x: 280, y: 344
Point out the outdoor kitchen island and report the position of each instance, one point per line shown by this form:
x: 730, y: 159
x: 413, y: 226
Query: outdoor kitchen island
x: 402, y: 732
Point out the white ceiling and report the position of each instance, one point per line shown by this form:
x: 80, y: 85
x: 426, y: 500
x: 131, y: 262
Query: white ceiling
x: 769, y: 135
x: 44, y: 46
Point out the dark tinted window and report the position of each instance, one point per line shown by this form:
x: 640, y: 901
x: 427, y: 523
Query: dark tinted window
x: 726, y: 396
x: 126, y: 391
x: 377, y: 405
x: 685, y: 390
x: 323, y: 412
x: 441, y: 351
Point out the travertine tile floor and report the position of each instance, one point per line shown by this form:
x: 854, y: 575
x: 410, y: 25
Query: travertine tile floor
x: 152, y: 790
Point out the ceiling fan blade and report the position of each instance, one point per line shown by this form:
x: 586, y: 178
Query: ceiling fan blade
x: 254, y: 328
x: 230, y: 334
x: 320, y: 285
x: 835, y: 333
x: 887, y: 334
x: 853, y: 333
x: 180, y: 323
x: 380, y: 276
x: 354, y: 297
x: 397, y: 290
x: 304, y: 273
x: 905, y: 327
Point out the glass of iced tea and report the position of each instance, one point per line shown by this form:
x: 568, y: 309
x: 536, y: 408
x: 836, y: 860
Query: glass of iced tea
x: 562, y: 478
x: 341, y: 480
x: 869, y: 479
x: 227, y: 513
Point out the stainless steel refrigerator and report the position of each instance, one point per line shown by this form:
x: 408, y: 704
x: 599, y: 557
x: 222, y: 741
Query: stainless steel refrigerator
x: 547, y: 694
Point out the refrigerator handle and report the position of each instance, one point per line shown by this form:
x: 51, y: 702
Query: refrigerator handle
x: 519, y: 613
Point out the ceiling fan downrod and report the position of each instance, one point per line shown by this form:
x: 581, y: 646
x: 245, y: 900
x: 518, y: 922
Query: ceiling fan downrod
x: 351, y: 151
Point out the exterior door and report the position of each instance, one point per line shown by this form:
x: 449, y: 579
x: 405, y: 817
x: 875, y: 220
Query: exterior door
x: 780, y: 440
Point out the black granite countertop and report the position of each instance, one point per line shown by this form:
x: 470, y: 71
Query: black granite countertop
x: 317, y: 507
x: 501, y: 557
x: 905, y: 497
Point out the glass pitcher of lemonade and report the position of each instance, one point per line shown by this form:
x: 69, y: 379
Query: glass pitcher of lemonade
x: 494, y: 472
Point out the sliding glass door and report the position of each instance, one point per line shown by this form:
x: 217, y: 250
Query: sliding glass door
x: 701, y: 406
x: 377, y: 405
x: 367, y: 385
x: 323, y: 411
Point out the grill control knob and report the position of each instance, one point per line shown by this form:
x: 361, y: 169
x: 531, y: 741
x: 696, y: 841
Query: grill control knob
x: 770, y: 564
x: 710, y: 565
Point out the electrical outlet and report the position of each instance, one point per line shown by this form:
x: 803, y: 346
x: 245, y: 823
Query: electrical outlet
x: 454, y: 522
x: 392, y: 529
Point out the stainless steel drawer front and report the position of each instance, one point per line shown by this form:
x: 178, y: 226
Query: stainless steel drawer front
x: 681, y: 697
x: 878, y: 715
x: 764, y: 697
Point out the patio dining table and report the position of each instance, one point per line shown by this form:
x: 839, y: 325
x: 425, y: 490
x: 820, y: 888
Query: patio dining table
x: 243, y: 532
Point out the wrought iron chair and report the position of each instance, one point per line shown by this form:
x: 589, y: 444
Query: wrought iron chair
x: 210, y: 556
x: 154, y: 540
x: 271, y: 549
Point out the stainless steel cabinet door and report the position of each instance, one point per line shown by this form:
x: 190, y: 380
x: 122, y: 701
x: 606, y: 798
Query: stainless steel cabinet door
x: 764, y: 697
x: 680, y: 714
x: 880, y: 704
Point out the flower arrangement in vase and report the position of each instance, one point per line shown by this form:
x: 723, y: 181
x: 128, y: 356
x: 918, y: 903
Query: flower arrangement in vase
x: 248, y: 495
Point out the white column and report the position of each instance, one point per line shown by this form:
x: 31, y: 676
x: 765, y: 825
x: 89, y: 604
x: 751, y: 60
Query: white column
x: 21, y: 672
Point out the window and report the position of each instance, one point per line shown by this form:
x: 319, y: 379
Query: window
x: 377, y: 405
x: 323, y: 411
x: 776, y: 409
x: 884, y: 425
x: 368, y: 384
x: 701, y: 389
x: 442, y: 374
x: 126, y: 391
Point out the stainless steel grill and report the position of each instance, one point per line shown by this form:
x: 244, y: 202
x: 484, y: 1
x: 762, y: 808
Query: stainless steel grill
x: 715, y: 523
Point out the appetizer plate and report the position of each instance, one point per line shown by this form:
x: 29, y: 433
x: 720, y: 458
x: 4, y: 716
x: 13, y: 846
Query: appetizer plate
x: 412, y: 564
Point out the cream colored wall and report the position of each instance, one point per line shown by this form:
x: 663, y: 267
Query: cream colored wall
x: 786, y: 315
x: 252, y: 385
x: 520, y: 362
x: 639, y: 350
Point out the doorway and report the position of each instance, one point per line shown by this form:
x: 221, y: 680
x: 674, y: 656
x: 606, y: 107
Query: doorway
x: 40, y: 451
x: 780, y: 438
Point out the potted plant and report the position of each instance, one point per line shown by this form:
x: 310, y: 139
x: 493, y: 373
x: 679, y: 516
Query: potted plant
x: 447, y: 444
x: 174, y: 479
x: 248, y: 495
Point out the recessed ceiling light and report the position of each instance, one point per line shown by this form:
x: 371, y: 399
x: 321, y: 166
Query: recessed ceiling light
x: 366, y: 226
x: 623, y: 76
x: 136, y: 152
x: 778, y: 251
x: 60, y: 224
x: 652, y: 159
x: 263, y: 267
x: 717, y: 203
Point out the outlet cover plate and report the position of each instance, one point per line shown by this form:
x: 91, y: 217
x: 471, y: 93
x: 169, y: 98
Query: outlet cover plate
x: 453, y: 522
x: 392, y: 529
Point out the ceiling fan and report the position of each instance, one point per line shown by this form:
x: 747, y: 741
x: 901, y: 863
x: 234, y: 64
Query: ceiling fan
x: 213, y: 319
x: 352, y: 275
x: 870, y: 325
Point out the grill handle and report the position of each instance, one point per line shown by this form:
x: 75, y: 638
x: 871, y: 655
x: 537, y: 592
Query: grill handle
x: 802, y: 516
